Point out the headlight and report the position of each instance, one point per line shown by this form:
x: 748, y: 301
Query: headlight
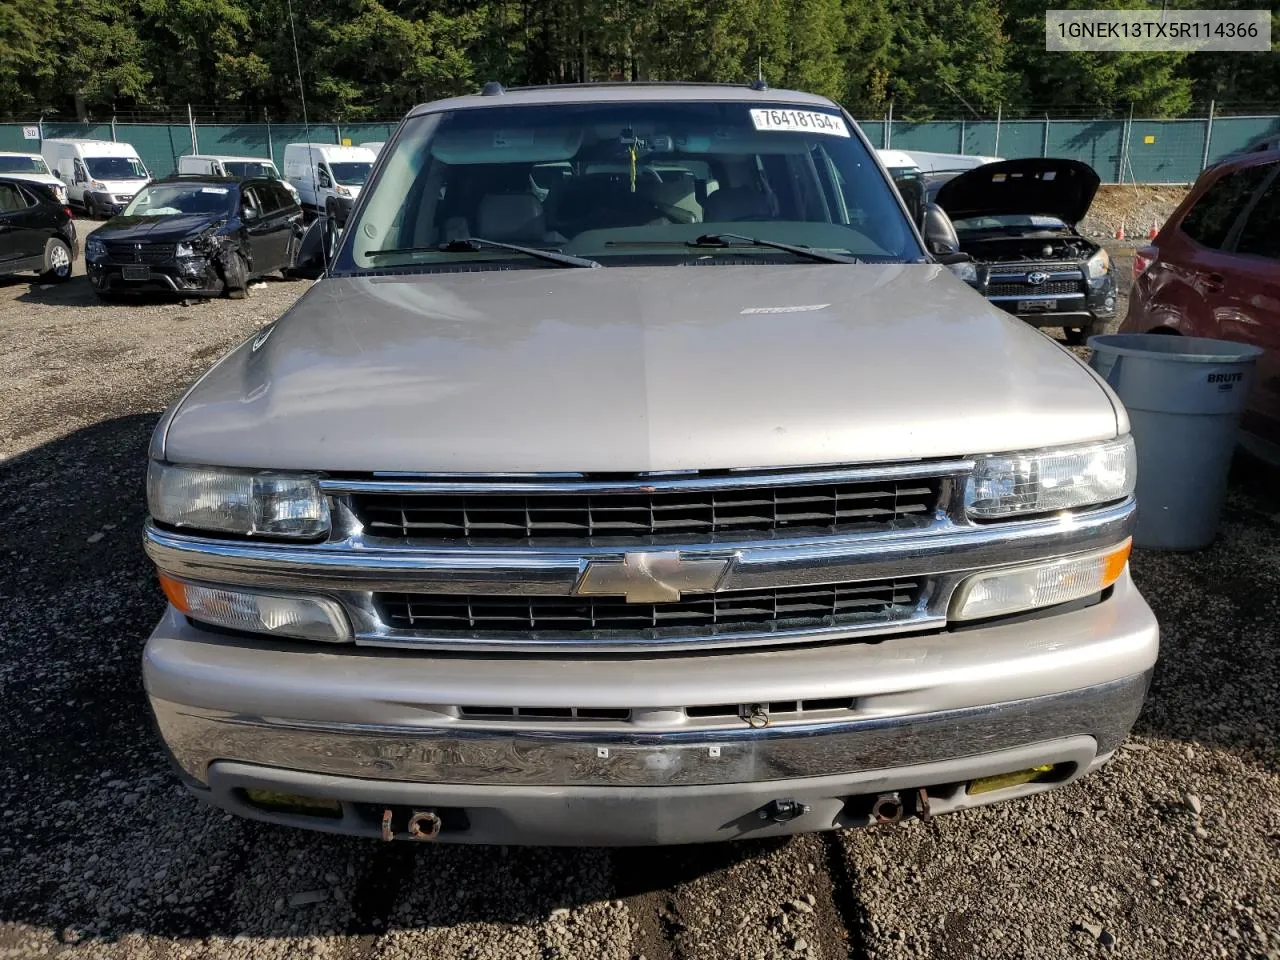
x: 95, y: 249
x: 185, y: 250
x: 248, y: 502
x: 1099, y: 265
x: 308, y: 618
x: 1014, y: 589
x: 1045, y: 481
x: 343, y: 191
x: 965, y: 271
x: 97, y: 185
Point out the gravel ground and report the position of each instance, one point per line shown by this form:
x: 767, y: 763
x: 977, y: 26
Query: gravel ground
x: 1174, y: 849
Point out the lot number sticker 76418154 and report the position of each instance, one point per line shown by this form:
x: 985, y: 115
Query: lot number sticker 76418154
x: 799, y: 121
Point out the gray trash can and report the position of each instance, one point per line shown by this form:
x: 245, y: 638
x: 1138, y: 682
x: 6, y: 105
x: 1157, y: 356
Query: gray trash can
x: 1184, y: 396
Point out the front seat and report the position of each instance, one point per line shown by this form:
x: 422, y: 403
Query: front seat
x: 513, y: 217
x: 736, y: 203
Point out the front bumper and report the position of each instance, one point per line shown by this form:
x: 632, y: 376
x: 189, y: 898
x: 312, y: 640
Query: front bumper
x: 382, y: 729
x: 1095, y: 301
x: 164, y: 278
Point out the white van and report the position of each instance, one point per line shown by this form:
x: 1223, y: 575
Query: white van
x: 31, y: 166
x: 374, y: 145
x: 219, y: 165
x: 327, y: 177
x: 101, y: 176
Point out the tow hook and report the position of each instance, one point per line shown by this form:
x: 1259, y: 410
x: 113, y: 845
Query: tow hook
x: 888, y: 808
x: 782, y: 811
x: 922, y: 805
x: 424, y: 825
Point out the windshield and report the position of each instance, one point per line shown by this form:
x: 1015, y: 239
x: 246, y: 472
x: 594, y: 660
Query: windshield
x: 175, y: 199
x: 1018, y: 221
x: 22, y: 165
x: 352, y: 173
x: 251, y: 168
x: 628, y: 183
x: 115, y: 168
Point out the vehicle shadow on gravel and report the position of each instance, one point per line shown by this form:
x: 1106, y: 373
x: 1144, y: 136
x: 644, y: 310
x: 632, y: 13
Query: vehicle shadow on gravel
x: 1217, y: 680
x: 99, y: 841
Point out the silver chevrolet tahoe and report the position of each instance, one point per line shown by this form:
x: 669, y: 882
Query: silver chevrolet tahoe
x: 637, y: 474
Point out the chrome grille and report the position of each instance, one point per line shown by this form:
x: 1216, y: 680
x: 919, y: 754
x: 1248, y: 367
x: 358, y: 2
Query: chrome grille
x: 1062, y: 287
x: 120, y: 251
x: 695, y: 513
x: 782, y: 608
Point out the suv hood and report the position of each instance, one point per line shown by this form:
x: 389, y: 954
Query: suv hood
x: 156, y: 229
x: 636, y: 369
x: 1048, y: 187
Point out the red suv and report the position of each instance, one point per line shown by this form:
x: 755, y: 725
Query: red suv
x: 1214, y: 271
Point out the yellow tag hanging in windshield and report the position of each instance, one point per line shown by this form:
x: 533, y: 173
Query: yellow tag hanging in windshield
x: 635, y: 155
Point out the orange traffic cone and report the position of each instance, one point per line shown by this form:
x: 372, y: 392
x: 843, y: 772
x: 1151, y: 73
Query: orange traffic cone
x: 1120, y: 232
x: 1151, y: 234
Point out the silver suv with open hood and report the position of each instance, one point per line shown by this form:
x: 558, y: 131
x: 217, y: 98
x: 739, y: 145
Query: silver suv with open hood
x: 633, y: 475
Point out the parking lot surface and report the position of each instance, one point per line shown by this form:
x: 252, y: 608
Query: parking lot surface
x: 1172, y: 850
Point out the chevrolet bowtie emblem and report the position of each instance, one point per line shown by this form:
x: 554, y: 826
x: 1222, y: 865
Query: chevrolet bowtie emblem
x: 650, y: 577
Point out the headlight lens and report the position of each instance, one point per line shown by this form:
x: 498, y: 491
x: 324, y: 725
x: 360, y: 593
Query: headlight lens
x: 1099, y: 265
x: 965, y: 271
x: 307, y: 618
x: 1045, y: 481
x: 95, y: 249
x: 1014, y: 589
x: 185, y: 250
x: 343, y: 191
x: 252, y: 503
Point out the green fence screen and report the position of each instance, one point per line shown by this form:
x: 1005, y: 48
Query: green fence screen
x: 1159, y: 151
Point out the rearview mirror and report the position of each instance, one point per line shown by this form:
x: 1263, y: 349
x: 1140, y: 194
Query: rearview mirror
x: 939, y: 234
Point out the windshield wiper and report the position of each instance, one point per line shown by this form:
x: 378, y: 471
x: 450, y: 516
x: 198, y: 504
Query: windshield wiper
x: 476, y: 244
x: 738, y: 240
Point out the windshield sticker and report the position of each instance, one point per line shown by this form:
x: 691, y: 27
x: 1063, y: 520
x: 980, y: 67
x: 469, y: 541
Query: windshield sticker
x: 796, y: 308
x: 512, y: 138
x: 213, y: 189
x: 799, y: 121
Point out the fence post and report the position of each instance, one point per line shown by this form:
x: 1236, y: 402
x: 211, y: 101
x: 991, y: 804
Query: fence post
x: 1044, y: 143
x: 338, y: 130
x: 271, y: 153
x: 40, y: 124
x: 962, y: 136
x: 113, y: 126
x: 999, y: 114
x: 1124, y: 146
x: 191, y: 121
x: 1208, y: 136
x: 888, y: 127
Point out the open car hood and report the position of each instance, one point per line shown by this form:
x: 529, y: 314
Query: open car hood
x: 1038, y: 186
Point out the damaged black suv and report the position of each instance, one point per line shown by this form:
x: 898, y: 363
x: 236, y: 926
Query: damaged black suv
x: 1017, y: 219
x: 196, y: 236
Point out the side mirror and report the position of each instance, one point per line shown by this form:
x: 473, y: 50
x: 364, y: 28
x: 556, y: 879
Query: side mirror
x: 250, y: 214
x: 939, y: 235
x: 912, y: 193
x: 315, y: 250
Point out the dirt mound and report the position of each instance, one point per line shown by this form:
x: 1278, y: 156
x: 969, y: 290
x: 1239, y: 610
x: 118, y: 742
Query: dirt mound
x: 1137, y: 207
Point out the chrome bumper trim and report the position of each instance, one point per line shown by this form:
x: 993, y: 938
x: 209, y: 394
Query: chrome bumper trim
x: 369, y: 564
x: 198, y: 737
x: 734, y: 480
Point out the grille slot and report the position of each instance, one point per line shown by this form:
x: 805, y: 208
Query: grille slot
x: 1059, y: 287
x: 781, y: 608
x: 544, y: 713
x: 123, y: 252
x: 693, y: 514
x: 821, y: 705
